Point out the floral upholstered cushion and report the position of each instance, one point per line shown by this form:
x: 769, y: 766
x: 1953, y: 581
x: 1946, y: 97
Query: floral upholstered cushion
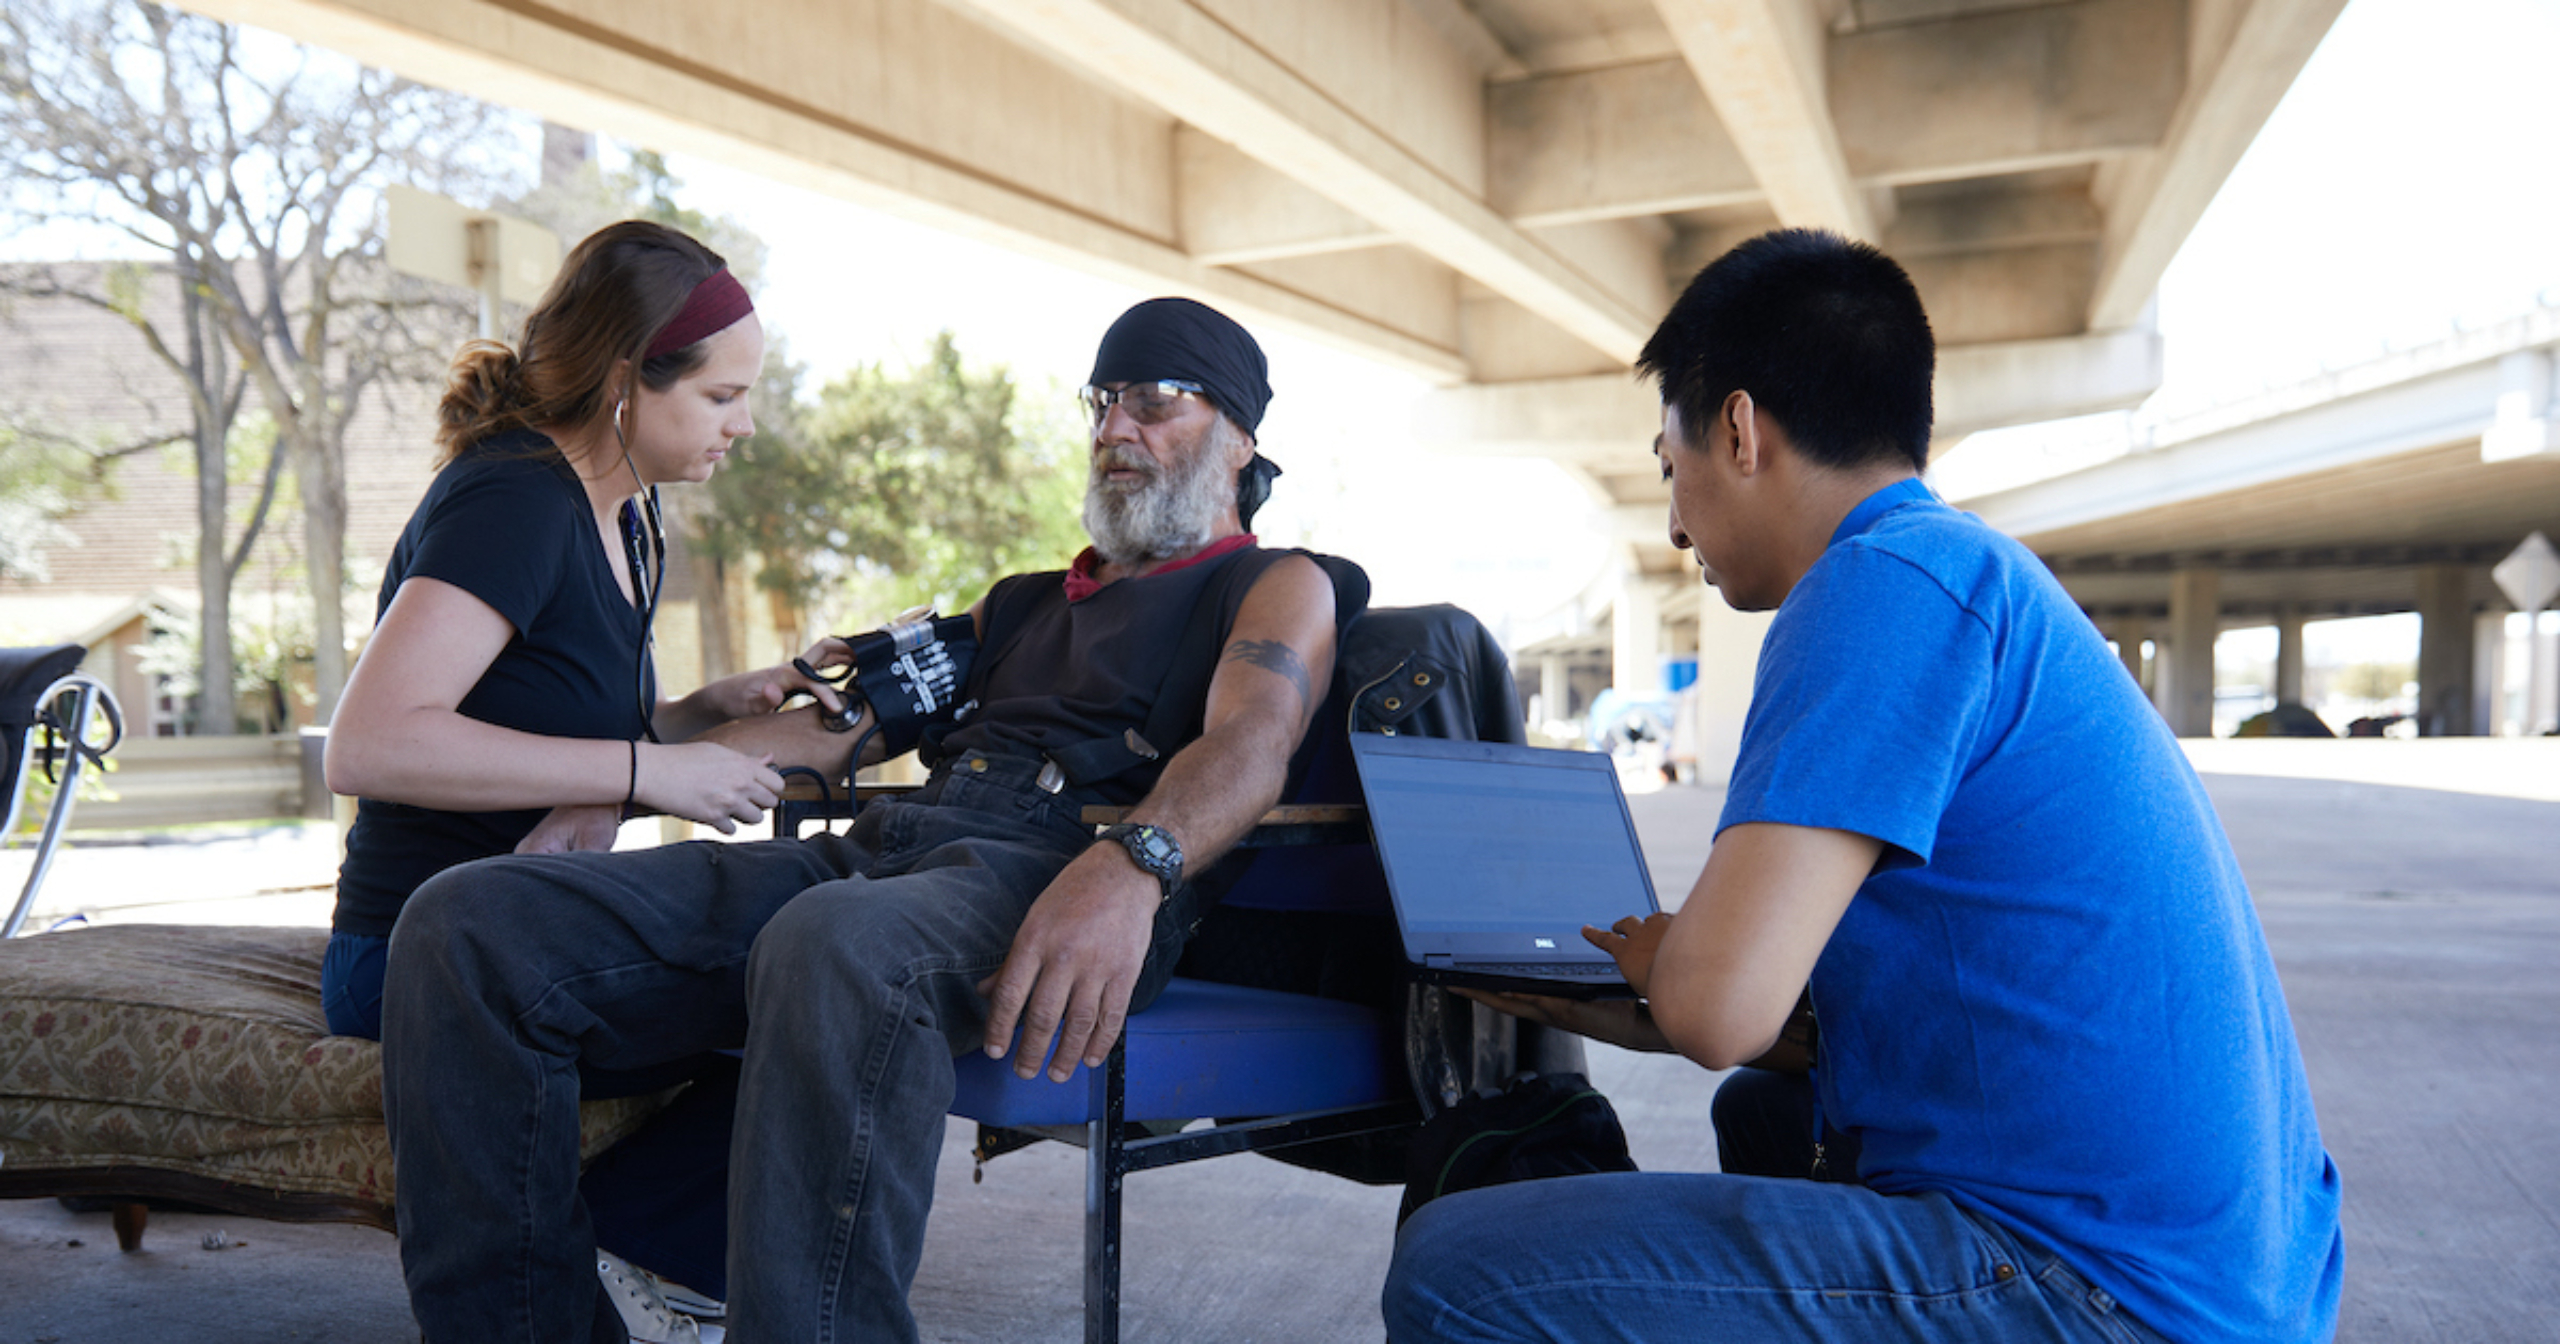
x: 199, y: 1051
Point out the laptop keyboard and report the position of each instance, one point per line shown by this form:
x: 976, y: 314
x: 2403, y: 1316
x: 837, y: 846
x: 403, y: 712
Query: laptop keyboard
x: 1562, y: 970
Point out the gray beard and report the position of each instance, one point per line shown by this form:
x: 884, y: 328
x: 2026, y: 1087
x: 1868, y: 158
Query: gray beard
x: 1172, y: 512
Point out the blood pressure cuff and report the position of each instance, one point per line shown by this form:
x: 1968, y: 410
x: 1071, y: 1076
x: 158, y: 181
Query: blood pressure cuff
x: 911, y: 671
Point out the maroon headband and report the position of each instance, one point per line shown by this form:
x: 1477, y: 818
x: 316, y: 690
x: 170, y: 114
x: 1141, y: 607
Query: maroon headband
x: 714, y: 304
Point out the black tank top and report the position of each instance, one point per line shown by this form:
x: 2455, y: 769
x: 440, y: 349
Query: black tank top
x: 1071, y: 672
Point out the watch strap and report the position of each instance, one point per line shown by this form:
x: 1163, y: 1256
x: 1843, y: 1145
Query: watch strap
x: 1153, y: 849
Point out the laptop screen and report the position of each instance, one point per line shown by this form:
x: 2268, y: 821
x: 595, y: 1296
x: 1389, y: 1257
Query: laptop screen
x: 1483, y: 841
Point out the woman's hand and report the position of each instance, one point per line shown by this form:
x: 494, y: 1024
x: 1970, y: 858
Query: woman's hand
x: 706, y: 782
x: 567, y: 830
x: 752, y: 694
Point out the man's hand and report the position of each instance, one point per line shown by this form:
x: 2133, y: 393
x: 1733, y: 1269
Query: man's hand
x: 1625, y: 1023
x: 1632, y: 942
x: 1074, y: 964
x: 567, y: 830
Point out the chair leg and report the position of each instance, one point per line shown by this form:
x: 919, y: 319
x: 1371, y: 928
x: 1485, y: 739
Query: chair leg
x: 1106, y: 1168
x: 85, y: 694
x: 130, y: 1219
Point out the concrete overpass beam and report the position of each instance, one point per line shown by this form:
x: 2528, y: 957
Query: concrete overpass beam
x: 1231, y: 209
x: 1613, y: 413
x: 2446, y: 634
x: 1609, y: 415
x: 1393, y: 135
x: 2019, y: 382
x: 1393, y: 287
x: 919, y: 110
x: 2185, y: 685
x: 1624, y: 255
x: 2009, y: 90
x: 2528, y: 414
x: 1763, y: 65
x: 1603, y: 144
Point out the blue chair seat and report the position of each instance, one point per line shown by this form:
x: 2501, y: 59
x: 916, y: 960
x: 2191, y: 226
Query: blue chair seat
x: 1272, y: 1069
x: 1203, y: 1049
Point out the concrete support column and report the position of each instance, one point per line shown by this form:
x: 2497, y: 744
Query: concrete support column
x: 1635, y: 637
x: 1555, y: 687
x: 2289, y: 623
x: 2128, y: 635
x: 2488, y: 673
x: 2445, y: 638
x: 2542, y: 671
x: 1728, y: 659
x: 2185, y: 690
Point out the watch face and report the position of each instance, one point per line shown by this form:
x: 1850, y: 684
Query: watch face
x: 1152, y: 848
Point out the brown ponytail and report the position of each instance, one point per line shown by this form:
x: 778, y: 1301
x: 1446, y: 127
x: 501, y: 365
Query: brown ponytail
x: 615, y: 290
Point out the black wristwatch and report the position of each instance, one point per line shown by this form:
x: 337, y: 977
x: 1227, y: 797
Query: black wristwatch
x: 1152, y: 848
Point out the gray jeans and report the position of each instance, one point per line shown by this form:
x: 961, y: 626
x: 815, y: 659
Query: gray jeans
x: 845, y: 966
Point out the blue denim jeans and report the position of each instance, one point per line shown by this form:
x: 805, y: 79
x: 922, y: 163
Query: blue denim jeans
x: 1639, y: 1256
x: 846, y: 966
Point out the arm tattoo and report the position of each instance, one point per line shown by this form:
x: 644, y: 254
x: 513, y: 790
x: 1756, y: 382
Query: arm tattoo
x: 1273, y: 656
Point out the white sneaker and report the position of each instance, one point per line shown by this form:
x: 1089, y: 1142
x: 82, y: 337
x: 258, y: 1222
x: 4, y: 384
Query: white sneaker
x: 645, y: 1314
x: 692, y: 1302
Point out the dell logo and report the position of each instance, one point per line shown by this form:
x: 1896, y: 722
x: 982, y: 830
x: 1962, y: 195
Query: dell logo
x: 1548, y: 943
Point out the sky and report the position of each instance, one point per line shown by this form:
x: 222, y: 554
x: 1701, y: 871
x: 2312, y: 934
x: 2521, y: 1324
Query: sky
x: 2408, y: 180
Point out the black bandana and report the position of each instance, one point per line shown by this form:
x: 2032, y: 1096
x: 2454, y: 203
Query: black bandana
x: 1178, y: 338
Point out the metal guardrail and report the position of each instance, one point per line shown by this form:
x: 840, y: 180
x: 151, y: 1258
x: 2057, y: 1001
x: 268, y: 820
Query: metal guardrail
x: 171, y: 781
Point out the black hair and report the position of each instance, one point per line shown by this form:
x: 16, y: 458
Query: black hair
x: 1826, y: 334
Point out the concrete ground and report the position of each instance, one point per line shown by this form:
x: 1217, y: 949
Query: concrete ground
x: 2415, y: 929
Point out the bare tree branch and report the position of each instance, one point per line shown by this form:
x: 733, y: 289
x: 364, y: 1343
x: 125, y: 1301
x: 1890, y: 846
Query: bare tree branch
x: 257, y: 173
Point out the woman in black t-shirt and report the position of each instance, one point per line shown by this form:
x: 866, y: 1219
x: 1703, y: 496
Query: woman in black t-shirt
x: 506, y: 701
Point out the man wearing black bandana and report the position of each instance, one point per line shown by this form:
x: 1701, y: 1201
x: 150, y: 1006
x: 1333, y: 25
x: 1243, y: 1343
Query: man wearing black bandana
x: 851, y: 969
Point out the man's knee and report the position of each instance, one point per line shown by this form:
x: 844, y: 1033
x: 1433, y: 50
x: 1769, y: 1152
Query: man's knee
x: 836, y: 940
x: 446, y: 921
x: 1439, y: 1261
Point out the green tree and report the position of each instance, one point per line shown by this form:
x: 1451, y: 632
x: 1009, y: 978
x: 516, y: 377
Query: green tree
x: 2375, y: 681
x: 891, y: 489
x: 45, y: 476
x: 252, y: 170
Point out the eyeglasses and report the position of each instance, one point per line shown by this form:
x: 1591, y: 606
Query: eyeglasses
x: 1147, y: 403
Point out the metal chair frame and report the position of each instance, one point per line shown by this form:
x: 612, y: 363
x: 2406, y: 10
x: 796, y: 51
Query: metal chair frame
x: 90, y: 699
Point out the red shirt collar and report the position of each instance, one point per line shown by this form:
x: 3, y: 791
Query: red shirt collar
x: 1082, y: 584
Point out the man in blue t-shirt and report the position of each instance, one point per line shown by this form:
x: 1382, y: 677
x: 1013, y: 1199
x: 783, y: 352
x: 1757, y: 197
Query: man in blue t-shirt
x: 2051, y: 1055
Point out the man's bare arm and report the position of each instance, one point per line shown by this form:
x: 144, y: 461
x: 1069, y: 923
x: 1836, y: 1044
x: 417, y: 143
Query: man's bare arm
x: 1077, y: 957
x: 1727, y: 974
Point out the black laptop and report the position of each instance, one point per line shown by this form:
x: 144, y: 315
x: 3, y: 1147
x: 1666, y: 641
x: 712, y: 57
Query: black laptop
x: 1497, y: 855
